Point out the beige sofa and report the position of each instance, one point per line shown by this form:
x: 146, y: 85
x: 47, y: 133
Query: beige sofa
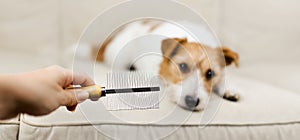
x: 34, y: 34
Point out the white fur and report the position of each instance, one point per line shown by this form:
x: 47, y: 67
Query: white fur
x: 191, y: 86
x: 135, y: 45
x: 135, y: 40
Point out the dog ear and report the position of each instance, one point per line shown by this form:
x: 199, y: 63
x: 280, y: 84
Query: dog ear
x: 170, y: 46
x: 230, y: 56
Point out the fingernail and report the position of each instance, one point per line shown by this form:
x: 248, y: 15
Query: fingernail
x: 82, y: 95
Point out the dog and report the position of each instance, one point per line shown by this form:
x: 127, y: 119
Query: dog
x: 191, y: 69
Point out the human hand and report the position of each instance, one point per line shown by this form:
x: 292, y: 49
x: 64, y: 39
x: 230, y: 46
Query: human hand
x: 43, y: 91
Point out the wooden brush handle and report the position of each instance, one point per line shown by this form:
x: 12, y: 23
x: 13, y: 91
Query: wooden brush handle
x: 94, y: 91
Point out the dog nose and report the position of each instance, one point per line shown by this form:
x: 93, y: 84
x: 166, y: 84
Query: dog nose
x: 191, y: 101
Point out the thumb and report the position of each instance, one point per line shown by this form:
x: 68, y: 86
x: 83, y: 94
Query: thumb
x: 73, y: 97
x: 81, y: 95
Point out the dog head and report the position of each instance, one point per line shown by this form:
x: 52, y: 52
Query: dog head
x: 192, y: 71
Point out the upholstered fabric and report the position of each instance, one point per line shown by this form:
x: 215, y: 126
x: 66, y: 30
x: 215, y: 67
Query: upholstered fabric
x: 9, y: 129
x: 35, y: 34
x: 264, y: 111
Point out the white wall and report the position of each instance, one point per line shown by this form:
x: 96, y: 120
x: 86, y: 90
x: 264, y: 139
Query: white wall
x: 265, y: 30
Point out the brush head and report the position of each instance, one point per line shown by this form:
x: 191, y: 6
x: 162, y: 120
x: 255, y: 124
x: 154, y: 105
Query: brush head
x: 132, y: 90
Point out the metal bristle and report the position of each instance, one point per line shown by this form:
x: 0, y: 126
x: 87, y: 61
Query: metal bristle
x: 134, y: 100
x: 130, y: 80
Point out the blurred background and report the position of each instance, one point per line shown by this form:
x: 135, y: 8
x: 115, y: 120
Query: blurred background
x: 266, y: 33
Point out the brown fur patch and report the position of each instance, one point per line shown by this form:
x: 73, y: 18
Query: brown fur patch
x: 168, y: 45
x: 188, y: 53
x: 196, y: 56
x: 147, y: 21
x: 151, y: 24
x: 165, y: 71
x: 153, y: 27
x: 105, y: 44
x: 101, y: 51
x: 230, y: 56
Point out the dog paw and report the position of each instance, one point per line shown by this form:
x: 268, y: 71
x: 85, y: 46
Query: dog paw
x: 231, y: 97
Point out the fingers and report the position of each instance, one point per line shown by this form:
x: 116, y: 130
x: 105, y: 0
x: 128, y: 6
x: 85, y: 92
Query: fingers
x: 82, y: 79
x: 70, y: 77
x: 77, y: 79
x: 81, y: 95
x: 72, y: 97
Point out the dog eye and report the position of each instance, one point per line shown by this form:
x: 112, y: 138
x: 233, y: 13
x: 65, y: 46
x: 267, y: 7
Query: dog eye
x: 210, y: 74
x: 184, y: 67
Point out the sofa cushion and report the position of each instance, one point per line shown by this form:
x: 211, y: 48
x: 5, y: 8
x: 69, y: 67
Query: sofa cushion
x: 284, y: 75
x: 264, y: 111
x: 9, y: 128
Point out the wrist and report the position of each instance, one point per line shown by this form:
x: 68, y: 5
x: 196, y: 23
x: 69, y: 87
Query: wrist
x: 8, y: 99
x: 7, y: 85
x: 17, y: 85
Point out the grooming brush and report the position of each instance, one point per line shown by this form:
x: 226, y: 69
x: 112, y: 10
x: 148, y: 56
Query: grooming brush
x: 127, y: 91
